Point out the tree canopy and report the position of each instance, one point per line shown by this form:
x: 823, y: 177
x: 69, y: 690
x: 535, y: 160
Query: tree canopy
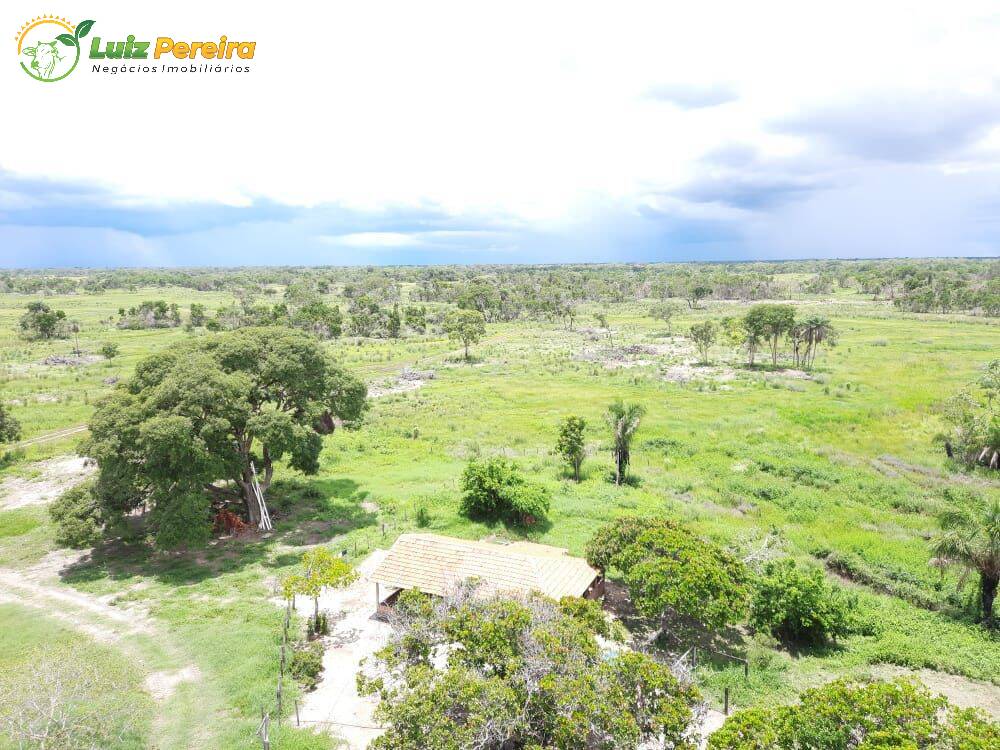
x: 865, y: 715
x: 496, y: 673
x: 667, y: 568
x: 466, y: 326
x: 42, y: 322
x: 193, y: 419
x: 10, y: 428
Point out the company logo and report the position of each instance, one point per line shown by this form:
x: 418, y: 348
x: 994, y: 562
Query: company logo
x: 48, y: 47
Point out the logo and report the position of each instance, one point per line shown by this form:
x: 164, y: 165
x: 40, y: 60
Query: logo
x: 48, y: 47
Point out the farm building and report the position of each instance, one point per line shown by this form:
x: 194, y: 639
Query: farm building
x: 433, y: 564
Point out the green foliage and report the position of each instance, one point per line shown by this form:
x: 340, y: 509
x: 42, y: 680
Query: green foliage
x: 197, y: 315
x: 77, y: 516
x: 667, y: 568
x: 466, y: 326
x: 205, y: 409
x: 518, y: 673
x: 422, y: 517
x: 321, y: 569
x: 844, y: 715
x: 588, y: 612
x: 109, y: 350
x: 704, y: 335
x: 799, y: 606
x: 767, y: 323
x: 974, y: 418
x: 496, y: 489
x: 41, y: 322
x: 571, y: 445
x: 10, y: 428
x: 306, y: 664
x: 623, y: 419
x: 970, y: 536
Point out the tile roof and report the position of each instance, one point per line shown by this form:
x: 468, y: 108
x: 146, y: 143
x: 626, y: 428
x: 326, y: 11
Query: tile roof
x: 434, y: 564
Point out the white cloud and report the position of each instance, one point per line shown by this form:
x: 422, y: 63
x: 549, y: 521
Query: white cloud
x: 513, y: 112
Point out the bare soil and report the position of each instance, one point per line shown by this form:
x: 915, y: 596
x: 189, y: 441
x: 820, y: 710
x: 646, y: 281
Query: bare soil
x: 51, y: 478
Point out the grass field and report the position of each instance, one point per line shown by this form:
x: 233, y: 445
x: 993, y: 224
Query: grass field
x: 840, y: 465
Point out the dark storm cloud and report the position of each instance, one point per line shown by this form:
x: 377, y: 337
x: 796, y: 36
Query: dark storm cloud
x: 906, y: 128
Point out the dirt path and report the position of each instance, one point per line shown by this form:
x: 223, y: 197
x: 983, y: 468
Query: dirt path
x: 171, y: 680
x: 53, y: 477
x: 335, y: 705
x: 48, y: 437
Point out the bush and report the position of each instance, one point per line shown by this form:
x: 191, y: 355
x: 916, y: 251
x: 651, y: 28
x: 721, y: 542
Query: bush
x: 496, y: 489
x: 798, y: 606
x: 77, y: 517
x: 423, y: 517
x: 844, y: 715
x: 307, y: 664
x: 588, y: 612
x: 109, y: 350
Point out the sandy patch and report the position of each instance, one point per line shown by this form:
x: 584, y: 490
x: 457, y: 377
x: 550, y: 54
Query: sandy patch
x: 407, y: 380
x: 55, y: 476
x: 72, y: 360
x: 161, y: 685
x: 688, y: 371
x: 335, y: 705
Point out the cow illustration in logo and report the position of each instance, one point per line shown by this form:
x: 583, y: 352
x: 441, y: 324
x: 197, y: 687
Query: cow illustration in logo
x: 45, y: 58
x: 48, y: 47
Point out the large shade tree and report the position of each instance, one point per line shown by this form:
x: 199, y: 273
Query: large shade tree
x: 197, y: 421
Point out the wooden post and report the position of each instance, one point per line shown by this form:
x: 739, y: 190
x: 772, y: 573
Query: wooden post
x: 726, y: 694
x: 694, y: 658
x: 296, y: 712
x: 378, y: 599
x: 746, y: 669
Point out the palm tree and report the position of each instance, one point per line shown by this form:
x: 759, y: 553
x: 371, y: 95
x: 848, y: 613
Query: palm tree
x: 624, y: 422
x: 970, y: 536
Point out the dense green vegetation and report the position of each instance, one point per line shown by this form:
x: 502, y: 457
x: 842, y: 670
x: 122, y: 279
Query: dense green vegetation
x: 834, y: 457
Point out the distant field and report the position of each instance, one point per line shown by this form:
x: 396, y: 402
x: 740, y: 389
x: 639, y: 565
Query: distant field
x: 838, y: 464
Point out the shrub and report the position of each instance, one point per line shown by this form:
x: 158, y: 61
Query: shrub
x: 423, y: 517
x: 77, y: 517
x: 798, y: 605
x: 844, y: 715
x: 496, y: 489
x: 307, y: 664
x: 109, y: 350
x: 588, y: 612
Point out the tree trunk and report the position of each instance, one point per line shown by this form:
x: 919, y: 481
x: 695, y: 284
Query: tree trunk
x: 988, y: 593
x: 466, y: 352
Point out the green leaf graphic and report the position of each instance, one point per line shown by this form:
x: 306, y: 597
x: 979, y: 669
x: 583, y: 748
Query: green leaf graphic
x: 83, y: 28
x: 67, y: 40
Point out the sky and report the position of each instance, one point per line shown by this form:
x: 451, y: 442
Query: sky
x: 507, y: 132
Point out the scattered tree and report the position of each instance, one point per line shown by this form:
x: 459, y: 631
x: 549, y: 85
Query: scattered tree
x: 193, y: 418
x: 109, y: 350
x: 570, y: 444
x: 704, y: 336
x: 970, y: 537
x: 466, y: 326
x: 769, y: 322
x: 321, y: 569
x: 10, y: 428
x: 197, y: 315
x: 695, y: 294
x: 42, y: 322
x: 665, y: 311
x: 623, y: 419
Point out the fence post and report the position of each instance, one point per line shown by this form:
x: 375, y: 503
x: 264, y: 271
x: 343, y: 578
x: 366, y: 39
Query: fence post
x: 746, y: 669
x: 279, y: 699
x: 694, y: 658
x: 296, y: 712
x: 726, y: 711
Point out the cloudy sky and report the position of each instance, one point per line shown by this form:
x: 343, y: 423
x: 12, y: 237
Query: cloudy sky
x: 438, y: 132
